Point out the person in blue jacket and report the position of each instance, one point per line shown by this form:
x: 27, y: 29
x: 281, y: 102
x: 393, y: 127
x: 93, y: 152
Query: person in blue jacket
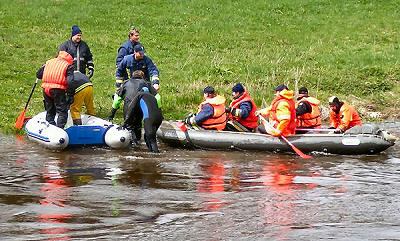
x: 127, y: 48
x: 138, y: 61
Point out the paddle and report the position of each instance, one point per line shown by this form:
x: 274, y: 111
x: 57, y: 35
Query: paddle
x: 315, y: 130
x: 19, y: 123
x: 295, y: 149
x: 183, y: 128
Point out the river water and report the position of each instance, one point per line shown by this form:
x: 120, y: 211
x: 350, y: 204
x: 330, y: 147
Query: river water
x: 103, y: 194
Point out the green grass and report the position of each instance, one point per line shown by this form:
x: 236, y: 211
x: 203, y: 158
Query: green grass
x: 347, y: 48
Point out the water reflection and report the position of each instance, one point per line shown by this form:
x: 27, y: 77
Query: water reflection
x: 103, y: 194
x: 280, y: 206
x: 55, y: 192
x: 211, y: 183
x: 142, y: 173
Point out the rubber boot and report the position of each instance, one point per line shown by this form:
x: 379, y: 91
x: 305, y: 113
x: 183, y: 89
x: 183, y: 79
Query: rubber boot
x: 138, y: 133
x: 112, y: 114
x: 154, y: 147
x: 134, y: 140
x: 147, y: 141
x: 77, y: 122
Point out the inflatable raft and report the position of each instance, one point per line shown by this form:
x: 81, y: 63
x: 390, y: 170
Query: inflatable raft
x: 94, y: 132
x: 367, y: 139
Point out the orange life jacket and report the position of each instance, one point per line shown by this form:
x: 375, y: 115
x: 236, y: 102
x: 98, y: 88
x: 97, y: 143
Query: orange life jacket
x: 346, y: 118
x: 251, y: 120
x: 55, y: 72
x: 310, y: 120
x: 218, y: 120
x: 291, y: 112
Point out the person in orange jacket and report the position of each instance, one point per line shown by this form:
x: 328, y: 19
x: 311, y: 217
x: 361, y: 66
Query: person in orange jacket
x: 242, y: 109
x: 342, y: 116
x: 211, y: 114
x: 281, y: 112
x: 308, y: 113
x: 56, y: 75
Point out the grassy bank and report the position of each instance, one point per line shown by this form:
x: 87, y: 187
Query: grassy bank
x: 346, y: 48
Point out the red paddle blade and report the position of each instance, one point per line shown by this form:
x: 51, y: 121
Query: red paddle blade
x: 295, y: 149
x: 300, y: 153
x: 19, y: 123
x: 182, y: 126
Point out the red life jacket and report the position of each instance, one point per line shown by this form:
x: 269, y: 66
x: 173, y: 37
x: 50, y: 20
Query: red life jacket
x: 55, y: 72
x: 251, y: 120
x: 218, y: 120
x: 310, y: 120
x: 291, y: 128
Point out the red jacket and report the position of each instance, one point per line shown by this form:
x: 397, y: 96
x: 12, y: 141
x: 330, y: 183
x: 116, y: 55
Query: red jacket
x: 250, y: 121
x: 55, y: 72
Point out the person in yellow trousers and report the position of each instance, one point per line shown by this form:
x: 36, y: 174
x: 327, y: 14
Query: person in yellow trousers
x: 82, y: 90
x: 281, y: 113
x: 342, y: 116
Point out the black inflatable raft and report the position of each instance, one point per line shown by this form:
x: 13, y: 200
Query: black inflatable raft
x: 367, y: 139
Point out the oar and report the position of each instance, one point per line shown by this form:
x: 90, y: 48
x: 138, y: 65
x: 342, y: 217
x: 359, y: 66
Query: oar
x: 315, y: 130
x: 183, y: 128
x: 19, y: 123
x: 295, y: 149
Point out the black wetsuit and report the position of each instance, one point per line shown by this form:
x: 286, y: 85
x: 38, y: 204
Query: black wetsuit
x: 142, y: 107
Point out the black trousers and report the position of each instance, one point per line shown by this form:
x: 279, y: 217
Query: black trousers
x: 147, y: 111
x: 54, y: 104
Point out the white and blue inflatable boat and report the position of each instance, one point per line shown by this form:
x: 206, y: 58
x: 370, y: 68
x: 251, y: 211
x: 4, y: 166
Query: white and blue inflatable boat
x: 94, y: 131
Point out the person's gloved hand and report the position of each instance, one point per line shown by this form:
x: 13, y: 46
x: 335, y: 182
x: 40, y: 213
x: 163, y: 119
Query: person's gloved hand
x: 155, y: 79
x: 338, y: 131
x: 118, y: 83
x: 190, y: 120
x: 276, y: 133
x: 70, y: 99
x: 112, y: 114
x: 91, y: 72
x: 236, y: 112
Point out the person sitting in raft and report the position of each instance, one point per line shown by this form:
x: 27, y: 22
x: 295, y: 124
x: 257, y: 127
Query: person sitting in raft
x: 241, y: 111
x: 342, y: 116
x: 281, y: 113
x: 308, y: 114
x: 211, y: 114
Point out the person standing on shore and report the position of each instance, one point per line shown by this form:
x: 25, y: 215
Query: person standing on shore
x: 126, y: 49
x: 79, y: 51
